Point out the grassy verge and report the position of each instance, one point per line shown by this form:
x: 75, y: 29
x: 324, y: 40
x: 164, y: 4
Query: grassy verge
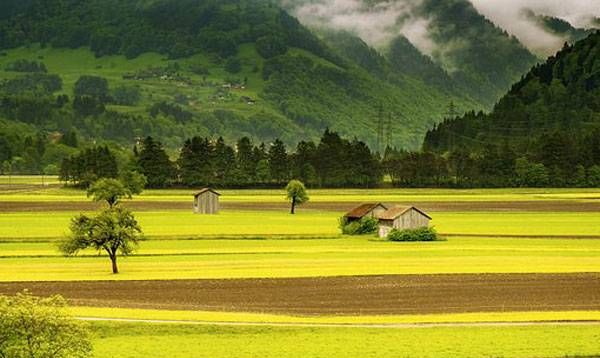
x: 154, y: 340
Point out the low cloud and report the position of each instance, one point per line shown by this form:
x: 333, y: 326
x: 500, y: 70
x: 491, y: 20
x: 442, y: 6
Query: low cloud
x: 378, y: 24
x: 511, y: 16
x: 375, y: 24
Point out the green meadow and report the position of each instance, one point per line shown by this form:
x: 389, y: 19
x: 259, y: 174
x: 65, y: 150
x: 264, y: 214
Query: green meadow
x: 120, y: 340
x: 310, y: 223
x: 245, y: 258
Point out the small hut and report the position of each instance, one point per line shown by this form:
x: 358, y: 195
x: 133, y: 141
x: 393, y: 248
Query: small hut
x: 371, y: 210
x: 206, y: 201
x: 402, y: 218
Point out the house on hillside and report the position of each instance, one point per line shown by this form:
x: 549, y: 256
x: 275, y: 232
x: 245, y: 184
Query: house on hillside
x: 365, y: 210
x: 206, y: 201
x: 402, y: 218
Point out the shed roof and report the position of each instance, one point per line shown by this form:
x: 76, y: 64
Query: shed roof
x: 205, y: 190
x: 397, y: 211
x: 363, y: 210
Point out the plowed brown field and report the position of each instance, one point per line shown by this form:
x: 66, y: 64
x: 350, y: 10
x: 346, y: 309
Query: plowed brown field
x: 372, y: 295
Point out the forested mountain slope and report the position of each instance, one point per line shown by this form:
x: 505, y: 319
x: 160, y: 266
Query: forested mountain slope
x: 550, y: 117
x: 120, y: 70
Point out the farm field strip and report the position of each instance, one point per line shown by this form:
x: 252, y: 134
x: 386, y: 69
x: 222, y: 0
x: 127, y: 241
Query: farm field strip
x: 352, y: 245
x: 192, y: 259
x: 391, y: 319
x: 273, y: 266
x: 323, y: 195
x: 184, y: 224
x: 120, y: 340
x: 354, y: 295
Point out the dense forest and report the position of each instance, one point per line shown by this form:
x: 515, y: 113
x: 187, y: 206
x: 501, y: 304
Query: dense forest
x: 548, y: 125
x: 332, y: 162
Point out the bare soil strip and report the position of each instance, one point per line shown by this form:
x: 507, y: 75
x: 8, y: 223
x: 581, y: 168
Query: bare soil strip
x: 457, y: 206
x: 356, y: 295
x: 349, y: 325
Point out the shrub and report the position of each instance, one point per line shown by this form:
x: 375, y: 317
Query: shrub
x: 126, y: 95
x: 233, y: 65
x: 421, y: 234
x: 366, y: 225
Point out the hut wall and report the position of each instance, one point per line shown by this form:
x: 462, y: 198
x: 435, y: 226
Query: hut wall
x: 411, y: 220
x: 206, y: 203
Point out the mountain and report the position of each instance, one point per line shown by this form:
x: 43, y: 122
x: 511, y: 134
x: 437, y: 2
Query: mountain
x: 445, y: 41
x: 560, y: 27
x: 120, y: 70
x: 562, y: 94
x: 481, y: 57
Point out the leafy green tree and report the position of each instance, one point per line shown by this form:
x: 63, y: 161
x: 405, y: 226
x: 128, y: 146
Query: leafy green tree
x: 133, y: 181
x: 109, y: 190
x: 296, y: 194
x: 593, y: 176
x: 92, y: 86
x: 114, y: 231
x: 263, y: 172
x: 126, y: 95
x: 33, y: 327
x: 531, y: 174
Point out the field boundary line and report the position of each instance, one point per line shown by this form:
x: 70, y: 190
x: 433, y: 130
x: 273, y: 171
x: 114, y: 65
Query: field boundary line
x: 349, y: 325
x: 523, y: 236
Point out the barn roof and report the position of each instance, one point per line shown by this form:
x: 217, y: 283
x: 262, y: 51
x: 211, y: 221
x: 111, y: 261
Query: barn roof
x: 202, y: 191
x: 398, y: 211
x: 363, y: 210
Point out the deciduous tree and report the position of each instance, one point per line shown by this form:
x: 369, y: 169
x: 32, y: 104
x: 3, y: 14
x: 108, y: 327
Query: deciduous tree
x: 114, y: 231
x: 296, y: 194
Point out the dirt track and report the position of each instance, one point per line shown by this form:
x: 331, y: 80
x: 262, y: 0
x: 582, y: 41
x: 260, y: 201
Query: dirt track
x: 548, y: 206
x: 402, y: 294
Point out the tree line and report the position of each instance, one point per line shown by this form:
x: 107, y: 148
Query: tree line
x: 332, y: 162
x: 556, y: 159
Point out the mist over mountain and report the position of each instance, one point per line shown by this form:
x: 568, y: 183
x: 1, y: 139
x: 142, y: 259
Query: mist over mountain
x: 481, y: 58
x: 514, y: 17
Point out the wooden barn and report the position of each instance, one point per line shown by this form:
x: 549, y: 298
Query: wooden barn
x: 206, y: 201
x: 365, y: 210
x: 402, y: 218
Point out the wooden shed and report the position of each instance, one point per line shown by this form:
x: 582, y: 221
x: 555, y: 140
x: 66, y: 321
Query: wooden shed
x: 206, y: 201
x: 402, y: 218
x: 365, y: 210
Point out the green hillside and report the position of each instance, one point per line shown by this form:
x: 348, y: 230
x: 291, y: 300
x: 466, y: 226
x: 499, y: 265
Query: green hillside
x: 188, y: 67
x: 550, y: 120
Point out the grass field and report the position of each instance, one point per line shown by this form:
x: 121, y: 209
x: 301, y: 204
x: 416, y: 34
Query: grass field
x: 187, y: 259
x: 254, y: 243
x: 144, y: 340
x: 184, y: 224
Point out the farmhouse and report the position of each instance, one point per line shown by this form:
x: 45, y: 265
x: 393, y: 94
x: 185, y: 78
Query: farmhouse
x: 206, y: 201
x: 402, y: 218
x: 371, y: 210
